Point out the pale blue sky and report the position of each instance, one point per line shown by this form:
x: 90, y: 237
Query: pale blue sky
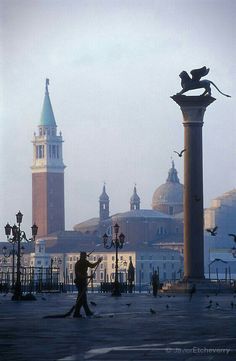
x: 113, y: 66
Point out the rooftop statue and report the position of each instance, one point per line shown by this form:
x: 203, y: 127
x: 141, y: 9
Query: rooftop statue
x: 188, y: 83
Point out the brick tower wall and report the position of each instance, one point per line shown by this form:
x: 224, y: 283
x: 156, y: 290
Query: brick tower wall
x: 48, y: 202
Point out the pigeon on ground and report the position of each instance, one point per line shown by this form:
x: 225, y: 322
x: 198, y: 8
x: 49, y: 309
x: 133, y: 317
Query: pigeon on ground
x: 93, y: 303
x: 153, y: 312
x: 217, y: 306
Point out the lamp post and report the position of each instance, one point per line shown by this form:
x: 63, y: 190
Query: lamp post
x: 18, y: 236
x: 118, y: 243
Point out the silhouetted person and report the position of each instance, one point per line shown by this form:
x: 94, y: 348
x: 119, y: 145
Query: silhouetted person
x: 155, y: 283
x: 192, y: 291
x: 130, y: 276
x: 81, y: 281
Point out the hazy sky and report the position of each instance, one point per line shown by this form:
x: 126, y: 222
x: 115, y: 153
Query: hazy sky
x: 113, y: 66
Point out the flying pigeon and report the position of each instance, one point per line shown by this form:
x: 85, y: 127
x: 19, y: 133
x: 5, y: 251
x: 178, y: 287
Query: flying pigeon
x: 212, y: 231
x: 181, y: 153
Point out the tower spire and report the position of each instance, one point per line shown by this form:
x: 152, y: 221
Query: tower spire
x: 47, y: 117
x: 172, y: 174
x: 103, y: 204
x: 46, y: 86
x: 134, y: 200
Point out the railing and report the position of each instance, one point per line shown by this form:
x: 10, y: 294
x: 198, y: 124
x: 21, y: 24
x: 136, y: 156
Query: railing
x: 33, y: 279
x: 107, y: 287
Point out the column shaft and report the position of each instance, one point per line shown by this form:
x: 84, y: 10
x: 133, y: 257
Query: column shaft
x: 193, y: 202
x: 193, y: 109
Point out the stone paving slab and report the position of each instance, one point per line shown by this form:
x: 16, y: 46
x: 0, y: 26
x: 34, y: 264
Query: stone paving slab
x: 184, y: 330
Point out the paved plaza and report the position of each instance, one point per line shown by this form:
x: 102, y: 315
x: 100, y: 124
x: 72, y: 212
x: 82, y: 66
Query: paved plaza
x: 132, y: 327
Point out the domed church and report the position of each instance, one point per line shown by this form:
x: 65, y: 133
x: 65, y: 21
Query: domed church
x: 168, y: 198
x: 161, y: 224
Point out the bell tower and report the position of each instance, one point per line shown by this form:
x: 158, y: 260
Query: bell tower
x: 103, y: 205
x: 48, y: 173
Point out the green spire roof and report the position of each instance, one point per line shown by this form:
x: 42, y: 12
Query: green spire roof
x: 47, y: 116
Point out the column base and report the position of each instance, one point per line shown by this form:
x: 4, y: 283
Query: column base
x: 201, y: 286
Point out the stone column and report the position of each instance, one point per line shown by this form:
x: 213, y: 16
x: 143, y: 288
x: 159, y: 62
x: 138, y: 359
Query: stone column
x: 193, y: 109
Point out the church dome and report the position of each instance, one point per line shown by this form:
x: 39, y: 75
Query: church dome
x: 168, y: 197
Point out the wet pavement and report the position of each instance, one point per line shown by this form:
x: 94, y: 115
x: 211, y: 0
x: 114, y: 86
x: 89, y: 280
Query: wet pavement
x: 131, y: 327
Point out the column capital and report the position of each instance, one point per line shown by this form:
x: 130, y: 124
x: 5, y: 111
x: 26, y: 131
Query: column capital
x: 193, y: 108
x: 193, y: 101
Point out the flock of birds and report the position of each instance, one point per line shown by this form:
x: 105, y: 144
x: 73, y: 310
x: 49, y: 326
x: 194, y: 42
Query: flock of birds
x: 211, y: 305
x: 213, y: 233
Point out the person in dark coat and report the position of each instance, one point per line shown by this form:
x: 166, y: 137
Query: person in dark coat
x: 81, y: 281
x: 155, y: 283
x: 130, y: 275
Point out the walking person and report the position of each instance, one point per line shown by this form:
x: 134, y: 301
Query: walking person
x: 155, y: 283
x: 81, y: 281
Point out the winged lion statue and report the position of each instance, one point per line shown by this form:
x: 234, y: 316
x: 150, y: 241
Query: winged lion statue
x: 195, y: 82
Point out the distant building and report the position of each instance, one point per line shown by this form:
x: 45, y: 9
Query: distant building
x: 220, y: 250
x: 48, y: 210
x: 153, y: 237
x: 146, y: 260
x: 162, y: 225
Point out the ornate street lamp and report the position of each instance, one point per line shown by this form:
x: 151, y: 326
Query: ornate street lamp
x: 18, y: 236
x: 118, y: 243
